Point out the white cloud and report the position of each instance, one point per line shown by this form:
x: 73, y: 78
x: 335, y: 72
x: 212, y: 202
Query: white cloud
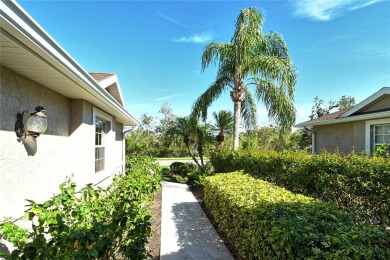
x: 171, y: 20
x: 195, y: 38
x: 326, y: 10
x: 168, y: 97
x: 158, y: 89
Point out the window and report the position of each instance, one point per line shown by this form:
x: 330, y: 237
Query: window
x: 102, y: 127
x: 99, y: 144
x: 381, y: 134
x: 377, y: 132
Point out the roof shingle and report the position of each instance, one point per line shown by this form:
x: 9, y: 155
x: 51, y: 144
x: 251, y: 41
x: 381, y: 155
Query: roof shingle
x: 100, y: 76
x: 328, y: 116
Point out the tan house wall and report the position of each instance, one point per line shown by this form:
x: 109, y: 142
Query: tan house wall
x: 384, y: 103
x: 345, y: 137
x: 34, y: 169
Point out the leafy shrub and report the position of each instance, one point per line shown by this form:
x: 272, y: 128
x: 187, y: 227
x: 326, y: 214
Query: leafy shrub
x: 263, y: 221
x: 357, y: 183
x: 175, y: 166
x: 186, y: 168
x: 92, y: 222
x: 382, y: 150
x: 198, y: 175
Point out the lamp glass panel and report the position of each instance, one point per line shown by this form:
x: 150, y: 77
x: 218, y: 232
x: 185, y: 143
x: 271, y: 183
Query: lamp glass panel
x: 36, y: 123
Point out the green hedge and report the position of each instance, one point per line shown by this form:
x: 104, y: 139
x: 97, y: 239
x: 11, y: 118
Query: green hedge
x: 264, y: 221
x: 353, y: 182
x: 92, y: 222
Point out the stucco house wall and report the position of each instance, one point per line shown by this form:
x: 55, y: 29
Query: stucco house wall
x: 344, y: 137
x: 33, y: 169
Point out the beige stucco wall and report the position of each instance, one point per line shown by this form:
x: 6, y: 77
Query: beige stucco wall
x: 345, y: 137
x: 34, y: 169
x: 384, y: 103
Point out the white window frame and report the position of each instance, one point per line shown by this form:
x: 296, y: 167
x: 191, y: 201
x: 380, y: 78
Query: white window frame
x: 370, y: 123
x: 382, y: 125
x: 107, y: 127
x: 100, y: 145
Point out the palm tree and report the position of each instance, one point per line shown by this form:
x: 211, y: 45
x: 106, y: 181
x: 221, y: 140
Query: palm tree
x: 183, y: 128
x: 186, y: 128
x: 223, y: 123
x: 251, y: 59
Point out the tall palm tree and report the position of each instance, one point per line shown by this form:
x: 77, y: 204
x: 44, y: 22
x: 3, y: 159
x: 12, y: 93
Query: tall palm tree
x: 251, y: 59
x: 223, y: 123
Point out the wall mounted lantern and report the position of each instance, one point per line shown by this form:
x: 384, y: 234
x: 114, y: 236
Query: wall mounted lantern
x: 36, y: 124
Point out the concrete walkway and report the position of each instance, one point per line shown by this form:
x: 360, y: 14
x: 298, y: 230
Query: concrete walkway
x: 186, y: 232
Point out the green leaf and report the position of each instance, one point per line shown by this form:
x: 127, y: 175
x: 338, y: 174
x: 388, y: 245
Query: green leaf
x: 36, y: 210
x: 94, y: 253
x: 333, y: 217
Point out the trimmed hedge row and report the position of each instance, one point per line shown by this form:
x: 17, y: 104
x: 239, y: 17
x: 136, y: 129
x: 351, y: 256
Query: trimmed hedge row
x: 264, y: 221
x: 353, y: 182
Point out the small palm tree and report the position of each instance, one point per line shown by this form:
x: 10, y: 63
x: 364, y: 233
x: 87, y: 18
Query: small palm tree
x: 183, y: 128
x: 223, y: 123
x: 193, y: 134
x: 251, y: 59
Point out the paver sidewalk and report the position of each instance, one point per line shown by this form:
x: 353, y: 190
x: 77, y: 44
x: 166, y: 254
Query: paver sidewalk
x: 186, y: 232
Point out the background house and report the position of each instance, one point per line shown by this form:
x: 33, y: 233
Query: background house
x: 86, y: 116
x: 360, y: 128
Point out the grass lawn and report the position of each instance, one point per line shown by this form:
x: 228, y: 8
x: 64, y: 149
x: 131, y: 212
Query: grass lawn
x: 178, y: 158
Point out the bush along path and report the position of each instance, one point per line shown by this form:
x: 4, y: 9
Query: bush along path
x: 264, y: 221
x: 91, y: 222
x: 353, y: 182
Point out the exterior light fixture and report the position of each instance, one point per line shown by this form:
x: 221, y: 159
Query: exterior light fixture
x: 36, y: 124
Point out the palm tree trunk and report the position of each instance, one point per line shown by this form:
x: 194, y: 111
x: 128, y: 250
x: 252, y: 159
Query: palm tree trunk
x: 236, y: 130
x: 193, y: 156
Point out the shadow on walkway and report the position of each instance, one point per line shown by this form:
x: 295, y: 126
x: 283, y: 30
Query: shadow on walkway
x: 186, y: 232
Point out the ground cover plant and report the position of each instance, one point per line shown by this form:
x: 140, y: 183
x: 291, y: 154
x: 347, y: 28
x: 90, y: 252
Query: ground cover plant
x: 188, y: 172
x: 264, y: 221
x: 357, y: 183
x: 91, y: 222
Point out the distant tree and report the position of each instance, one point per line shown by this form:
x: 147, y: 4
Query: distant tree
x: 265, y: 138
x: 251, y: 59
x: 155, y: 136
x: 346, y: 102
x: 301, y: 140
x: 164, y: 128
x: 147, y: 122
x: 320, y: 108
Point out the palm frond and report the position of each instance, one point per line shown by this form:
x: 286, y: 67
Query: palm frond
x: 249, y: 110
x: 277, y: 47
x: 199, y: 108
x: 223, y: 121
x: 275, y: 69
x: 215, y: 53
x: 249, y: 24
x: 280, y: 104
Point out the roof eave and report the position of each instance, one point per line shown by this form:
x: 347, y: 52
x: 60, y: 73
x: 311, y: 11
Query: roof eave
x: 367, y: 101
x: 345, y: 119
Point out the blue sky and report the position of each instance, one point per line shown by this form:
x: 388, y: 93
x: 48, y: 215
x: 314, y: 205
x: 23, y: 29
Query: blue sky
x: 340, y: 47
